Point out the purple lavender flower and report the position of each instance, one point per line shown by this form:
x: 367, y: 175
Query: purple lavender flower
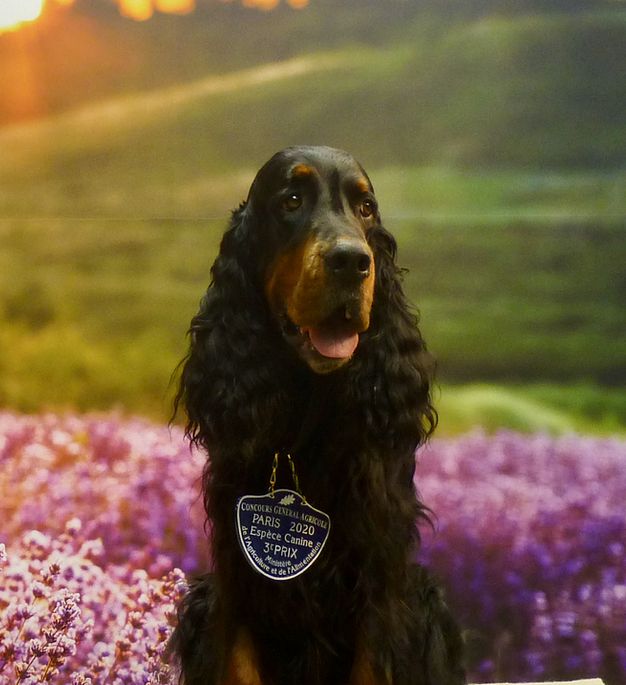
x: 85, y: 627
x: 130, y: 484
x: 533, y: 527
x: 529, y: 542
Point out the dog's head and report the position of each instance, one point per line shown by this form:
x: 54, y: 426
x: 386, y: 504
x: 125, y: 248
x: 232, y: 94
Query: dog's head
x: 315, y: 207
x: 307, y: 273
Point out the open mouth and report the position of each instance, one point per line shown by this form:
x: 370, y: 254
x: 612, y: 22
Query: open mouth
x: 333, y: 340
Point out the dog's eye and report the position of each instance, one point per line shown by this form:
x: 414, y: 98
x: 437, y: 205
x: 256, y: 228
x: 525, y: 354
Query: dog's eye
x: 292, y: 202
x: 367, y: 208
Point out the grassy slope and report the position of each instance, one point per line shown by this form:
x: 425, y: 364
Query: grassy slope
x: 96, y: 300
x: 419, y: 86
x: 544, y: 407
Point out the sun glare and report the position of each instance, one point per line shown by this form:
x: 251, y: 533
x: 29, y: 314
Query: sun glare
x: 144, y: 9
x: 14, y: 13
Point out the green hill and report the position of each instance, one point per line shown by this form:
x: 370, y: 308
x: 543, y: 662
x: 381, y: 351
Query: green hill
x: 527, y: 83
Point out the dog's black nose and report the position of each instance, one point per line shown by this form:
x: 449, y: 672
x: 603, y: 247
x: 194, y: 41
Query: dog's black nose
x: 349, y: 260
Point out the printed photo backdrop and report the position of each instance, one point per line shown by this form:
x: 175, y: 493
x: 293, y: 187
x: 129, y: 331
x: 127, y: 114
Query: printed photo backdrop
x: 495, y: 135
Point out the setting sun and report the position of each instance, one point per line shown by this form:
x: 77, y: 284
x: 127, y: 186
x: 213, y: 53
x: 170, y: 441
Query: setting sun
x: 13, y: 13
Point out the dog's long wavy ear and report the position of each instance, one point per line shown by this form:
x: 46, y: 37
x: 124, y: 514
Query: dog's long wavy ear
x: 395, y: 387
x: 222, y: 374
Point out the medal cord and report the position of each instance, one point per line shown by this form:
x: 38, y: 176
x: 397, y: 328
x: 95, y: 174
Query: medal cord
x: 294, y: 476
x: 273, y: 474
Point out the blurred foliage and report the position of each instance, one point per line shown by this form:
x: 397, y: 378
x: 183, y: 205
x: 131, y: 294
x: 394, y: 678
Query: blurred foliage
x: 519, y: 303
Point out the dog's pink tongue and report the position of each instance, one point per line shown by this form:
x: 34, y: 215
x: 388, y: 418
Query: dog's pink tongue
x: 332, y: 344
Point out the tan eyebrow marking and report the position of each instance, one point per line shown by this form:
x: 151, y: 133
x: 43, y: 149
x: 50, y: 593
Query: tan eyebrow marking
x: 363, y: 186
x: 302, y: 171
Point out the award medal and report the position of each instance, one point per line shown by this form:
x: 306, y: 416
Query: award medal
x: 280, y: 533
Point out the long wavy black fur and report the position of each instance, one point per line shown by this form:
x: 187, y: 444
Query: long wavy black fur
x: 247, y: 396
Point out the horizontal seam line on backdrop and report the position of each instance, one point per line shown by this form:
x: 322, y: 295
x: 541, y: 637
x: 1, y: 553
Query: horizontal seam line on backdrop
x: 490, y: 218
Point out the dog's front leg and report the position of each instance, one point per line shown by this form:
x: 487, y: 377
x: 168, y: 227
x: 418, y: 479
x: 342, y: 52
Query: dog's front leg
x: 243, y: 666
x: 363, y: 670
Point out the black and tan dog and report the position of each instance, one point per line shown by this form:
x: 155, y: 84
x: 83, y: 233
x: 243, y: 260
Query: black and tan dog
x: 304, y: 349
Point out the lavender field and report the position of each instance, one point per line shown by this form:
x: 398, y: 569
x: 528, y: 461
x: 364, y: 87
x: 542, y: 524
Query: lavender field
x: 100, y: 520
